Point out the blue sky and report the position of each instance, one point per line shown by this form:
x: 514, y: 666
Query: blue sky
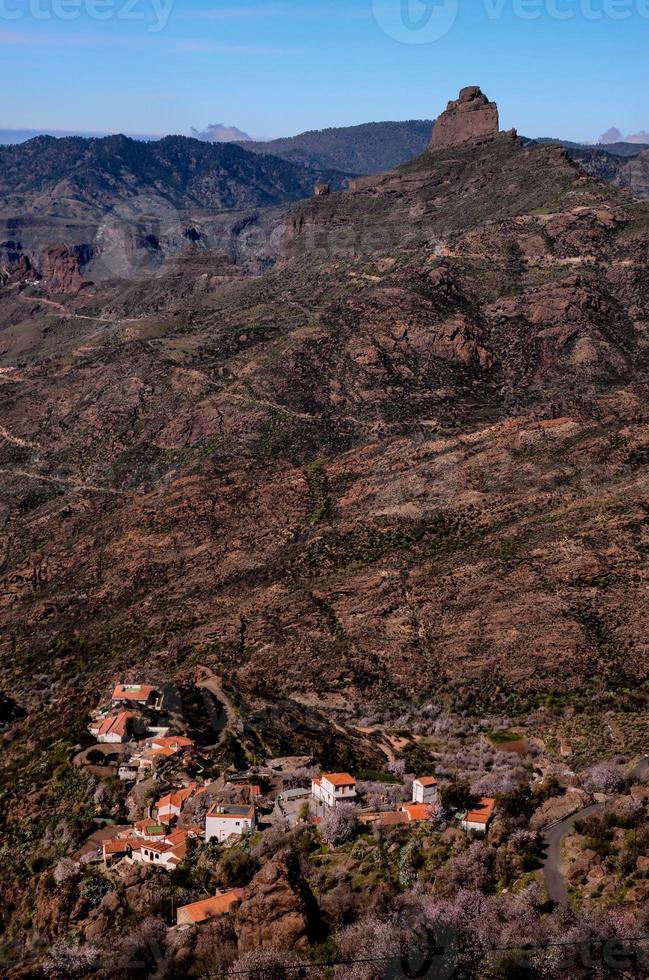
x: 568, y: 68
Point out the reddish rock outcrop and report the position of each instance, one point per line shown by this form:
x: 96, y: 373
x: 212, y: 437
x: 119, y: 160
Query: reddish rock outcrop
x: 274, y: 908
x: 471, y: 116
x: 61, y: 271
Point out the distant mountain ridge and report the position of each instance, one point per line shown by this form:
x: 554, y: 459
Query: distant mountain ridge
x: 370, y: 148
x: 148, y: 200
x: 9, y: 137
x: 91, y: 175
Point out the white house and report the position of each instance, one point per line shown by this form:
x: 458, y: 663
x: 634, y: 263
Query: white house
x: 478, y: 819
x: 170, y: 805
x: 225, y: 819
x: 140, y: 694
x: 128, y: 771
x: 333, y: 788
x: 424, y: 790
x: 115, y: 728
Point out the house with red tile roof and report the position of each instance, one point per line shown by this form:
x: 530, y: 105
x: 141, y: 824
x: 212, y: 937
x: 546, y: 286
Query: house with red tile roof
x: 424, y: 790
x: 418, y: 811
x: 149, y: 845
x: 174, y: 743
x: 170, y: 805
x: 332, y: 788
x: 142, y: 694
x: 208, y: 908
x: 478, y: 819
x: 225, y: 820
x: 118, y: 847
x: 383, y: 818
x: 115, y: 728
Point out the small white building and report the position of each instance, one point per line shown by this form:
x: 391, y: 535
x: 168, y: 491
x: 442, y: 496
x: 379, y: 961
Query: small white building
x: 333, y: 788
x: 170, y: 805
x: 115, y: 728
x: 477, y: 820
x: 224, y: 820
x: 424, y: 790
x: 128, y: 771
x: 144, y: 695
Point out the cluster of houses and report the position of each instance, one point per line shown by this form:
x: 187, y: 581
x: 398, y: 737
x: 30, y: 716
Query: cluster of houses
x: 163, y: 838
x: 336, y: 788
x: 123, y: 723
x: 158, y: 839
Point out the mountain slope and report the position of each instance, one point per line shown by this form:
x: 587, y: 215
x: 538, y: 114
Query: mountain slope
x: 367, y: 149
x: 86, y: 177
x: 396, y: 461
x: 117, y: 204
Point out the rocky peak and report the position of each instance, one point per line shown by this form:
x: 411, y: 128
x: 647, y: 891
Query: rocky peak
x: 470, y: 116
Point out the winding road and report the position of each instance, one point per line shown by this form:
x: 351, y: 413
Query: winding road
x: 555, y: 881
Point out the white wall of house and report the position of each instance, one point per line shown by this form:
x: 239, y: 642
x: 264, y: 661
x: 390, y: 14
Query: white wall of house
x: 473, y: 827
x: 112, y: 737
x: 331, y: 795
x: 423, y: 794
x: 219, y: 826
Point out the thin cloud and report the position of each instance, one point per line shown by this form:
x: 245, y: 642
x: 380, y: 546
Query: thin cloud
x: 70, y: 40
x: 242, y: 13
x: 209, y: 47
x: 278, y: 10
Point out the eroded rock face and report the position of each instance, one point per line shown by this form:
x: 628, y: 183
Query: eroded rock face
x: 471, y: 116
x: 274, y: 908
x: 61, y: 271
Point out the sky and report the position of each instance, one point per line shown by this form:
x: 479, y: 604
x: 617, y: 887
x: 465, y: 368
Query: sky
x: 561, y: 68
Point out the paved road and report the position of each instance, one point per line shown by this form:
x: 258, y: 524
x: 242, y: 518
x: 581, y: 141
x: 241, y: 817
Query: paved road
x: 555, y: 881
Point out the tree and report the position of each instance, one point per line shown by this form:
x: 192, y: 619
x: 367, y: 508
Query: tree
x: 266, y: 964
x: 65, y: 961
x: 339, y: 825
x: 456, y: 796
x: 605, y: 777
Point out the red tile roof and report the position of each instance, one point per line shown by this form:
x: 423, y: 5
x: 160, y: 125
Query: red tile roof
x: 133, y: 692
x: 483, y: 811
x: 176, y: 798
x: 339, y: 778
x: 208, y: 907
x: 117, y: 845
x: 418, y: 811
x: 115, y: 724
x: 174, y: 742
x: 426, y: 780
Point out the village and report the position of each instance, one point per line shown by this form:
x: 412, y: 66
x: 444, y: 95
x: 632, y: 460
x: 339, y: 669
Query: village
x: 179, y: 809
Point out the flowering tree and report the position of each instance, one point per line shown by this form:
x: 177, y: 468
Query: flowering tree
x: 606, y: 777
x: 339, y: 824
x: 266, y: 964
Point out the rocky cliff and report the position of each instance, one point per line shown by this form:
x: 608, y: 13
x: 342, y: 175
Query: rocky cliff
x: 471, y: 116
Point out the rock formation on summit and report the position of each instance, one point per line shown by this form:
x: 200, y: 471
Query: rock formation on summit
x: 471, y: 116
